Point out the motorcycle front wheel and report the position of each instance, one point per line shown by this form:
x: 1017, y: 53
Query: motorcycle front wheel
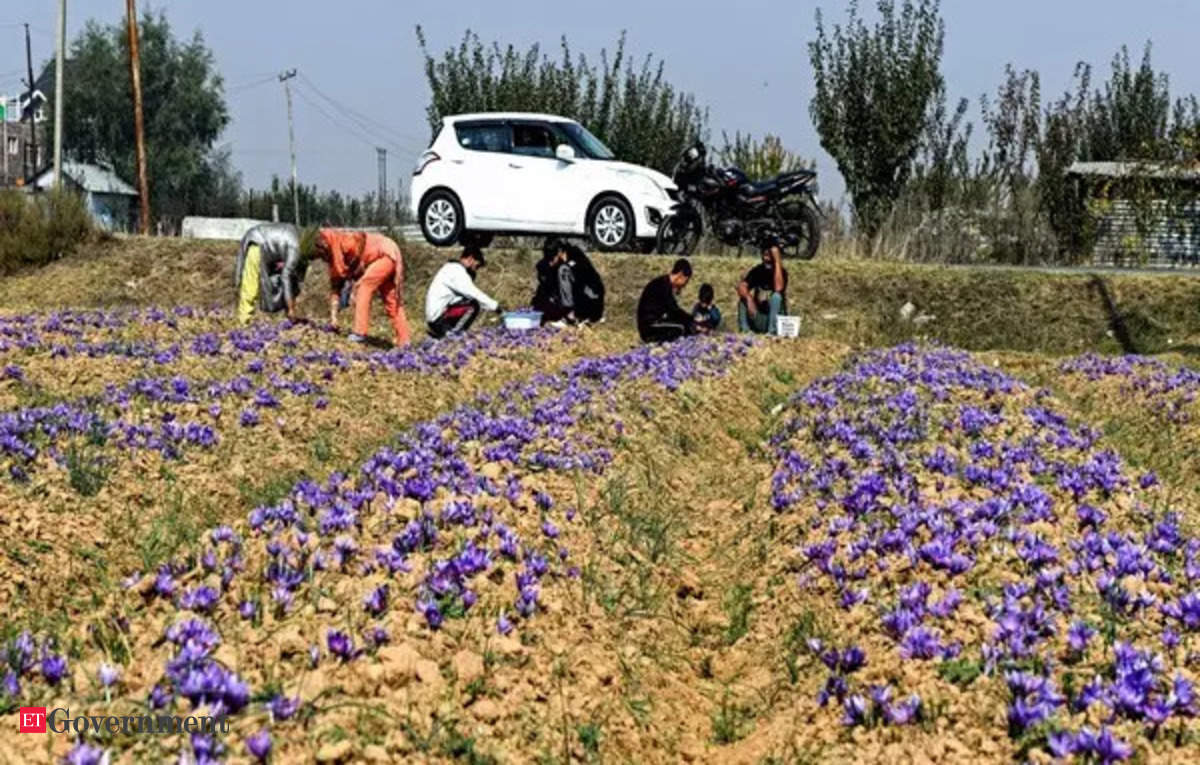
x: 679, y: 234
x: 804, y: 228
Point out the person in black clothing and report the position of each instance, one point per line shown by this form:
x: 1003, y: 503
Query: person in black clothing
x: 569, y: 287
x: 659, y: 317
x: 762, y: 293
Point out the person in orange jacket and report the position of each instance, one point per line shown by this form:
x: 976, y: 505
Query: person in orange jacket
x: 375, y: 263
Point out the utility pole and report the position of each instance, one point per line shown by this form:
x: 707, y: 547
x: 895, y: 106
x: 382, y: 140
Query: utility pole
x: 59, y: 63
x: 383, y: 201
x: 30, y: 163
x: 135, y: 76
x: 287, y: 89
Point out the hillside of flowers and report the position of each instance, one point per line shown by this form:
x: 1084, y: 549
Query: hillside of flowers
x: 563, y: 546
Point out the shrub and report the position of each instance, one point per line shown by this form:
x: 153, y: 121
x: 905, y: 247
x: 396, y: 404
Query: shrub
x: 37, y: 229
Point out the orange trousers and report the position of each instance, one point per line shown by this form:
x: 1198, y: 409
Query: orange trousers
x: 380, y: 276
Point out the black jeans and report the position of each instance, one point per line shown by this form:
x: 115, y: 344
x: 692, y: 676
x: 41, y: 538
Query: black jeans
x: 662, y: 332
x: 457, y: 318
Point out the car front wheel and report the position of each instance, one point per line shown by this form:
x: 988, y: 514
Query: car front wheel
x: 441, y: 219
x: 611, y: 225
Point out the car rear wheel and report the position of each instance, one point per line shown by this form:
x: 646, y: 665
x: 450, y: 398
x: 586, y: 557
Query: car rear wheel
x: 441, y: 218
x: 611, y: 225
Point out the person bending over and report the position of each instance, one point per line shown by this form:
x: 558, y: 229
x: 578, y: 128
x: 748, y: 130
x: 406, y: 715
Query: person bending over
x: 762, y: 293
x: 269, y: 270
x: 453, y: 302
x: 375, y: 263
x: 659, y: 317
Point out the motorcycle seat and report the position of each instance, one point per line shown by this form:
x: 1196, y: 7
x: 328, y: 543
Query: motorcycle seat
x: 771, y: 184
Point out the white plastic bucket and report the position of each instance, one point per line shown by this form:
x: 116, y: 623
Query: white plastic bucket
x: 788, y: 326
x: 522, y: 320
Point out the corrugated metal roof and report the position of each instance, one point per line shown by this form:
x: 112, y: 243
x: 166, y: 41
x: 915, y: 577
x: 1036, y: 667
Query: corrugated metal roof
x: 93, y: 178
x: 1134, y: 170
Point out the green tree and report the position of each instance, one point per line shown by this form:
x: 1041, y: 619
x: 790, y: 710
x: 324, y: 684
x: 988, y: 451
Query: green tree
x: 634, y: 110
x: 875, y: 87
x: 184, y: 106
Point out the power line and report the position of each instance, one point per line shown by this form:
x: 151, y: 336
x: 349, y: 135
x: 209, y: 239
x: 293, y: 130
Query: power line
x: 364, y: 121
x: 337, y: 123
x: 262, y: 80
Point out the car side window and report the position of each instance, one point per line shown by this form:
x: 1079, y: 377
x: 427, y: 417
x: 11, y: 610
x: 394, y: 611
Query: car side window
x: 533, y: 140
x: 486, y: 137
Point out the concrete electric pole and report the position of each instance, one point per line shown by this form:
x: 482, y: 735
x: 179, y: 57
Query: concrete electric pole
x: 135, y: 76
x: 284, y: 77
x: 59, y: 63
x: 384, y: 210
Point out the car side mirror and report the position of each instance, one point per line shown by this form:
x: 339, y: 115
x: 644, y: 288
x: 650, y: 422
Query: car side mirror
x: 565, y: 153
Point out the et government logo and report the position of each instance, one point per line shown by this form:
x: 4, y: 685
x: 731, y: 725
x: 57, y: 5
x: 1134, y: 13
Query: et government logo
x: 35, y: 720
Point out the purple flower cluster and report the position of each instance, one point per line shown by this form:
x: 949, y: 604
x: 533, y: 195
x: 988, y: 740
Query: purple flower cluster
x: 325, y: 535
x: 926, y: 473
x: 156, y: 424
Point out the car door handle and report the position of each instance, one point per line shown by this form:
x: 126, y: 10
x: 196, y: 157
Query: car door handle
x: 457, y: 161
x: 515, y: 166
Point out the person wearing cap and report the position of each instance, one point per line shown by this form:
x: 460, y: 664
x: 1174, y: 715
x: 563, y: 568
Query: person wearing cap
x: 762, y: 293
x: 659, y: 317
x: 374, y: 262
x: 569, y: 287
x: 453, y: 302
x: 269, y: 270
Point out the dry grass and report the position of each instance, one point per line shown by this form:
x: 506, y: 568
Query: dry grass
x: 849, y: 300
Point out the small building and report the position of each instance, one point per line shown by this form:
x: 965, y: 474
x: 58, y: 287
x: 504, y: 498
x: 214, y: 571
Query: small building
x: 1145, y: 213
x: 16, y: 146
x: 111, y: 201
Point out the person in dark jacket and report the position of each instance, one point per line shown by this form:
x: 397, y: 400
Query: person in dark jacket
x: 659, y: 317
x: 569, y: 287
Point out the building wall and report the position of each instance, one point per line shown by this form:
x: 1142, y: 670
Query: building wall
x: 15, y: 145
x: 1172, y: 237
x: 112, y: 212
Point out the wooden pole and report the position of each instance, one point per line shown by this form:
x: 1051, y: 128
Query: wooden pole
x: 135, y: 76
x: 31, y: 163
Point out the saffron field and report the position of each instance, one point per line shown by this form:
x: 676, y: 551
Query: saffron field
x: 562, y: 546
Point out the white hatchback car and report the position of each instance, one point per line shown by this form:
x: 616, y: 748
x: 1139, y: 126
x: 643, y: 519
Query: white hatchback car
x: 516, y: 173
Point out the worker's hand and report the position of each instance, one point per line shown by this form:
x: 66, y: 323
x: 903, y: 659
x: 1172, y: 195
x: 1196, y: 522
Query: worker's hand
x: 743, y: 291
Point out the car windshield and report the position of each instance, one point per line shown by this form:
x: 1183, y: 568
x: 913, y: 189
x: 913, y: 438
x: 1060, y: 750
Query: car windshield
x: 593, y: 147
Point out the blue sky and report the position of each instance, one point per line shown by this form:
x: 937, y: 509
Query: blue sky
x: 746, y: 61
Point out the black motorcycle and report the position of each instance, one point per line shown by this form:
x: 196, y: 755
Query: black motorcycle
x: 738, y: 210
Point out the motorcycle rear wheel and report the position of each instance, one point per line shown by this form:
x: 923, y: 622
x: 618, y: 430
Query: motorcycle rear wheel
x: 679, y: 234
x: 802, y: 221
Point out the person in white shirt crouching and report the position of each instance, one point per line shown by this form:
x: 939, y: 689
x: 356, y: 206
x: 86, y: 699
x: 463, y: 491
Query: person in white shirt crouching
x: 453, y: 302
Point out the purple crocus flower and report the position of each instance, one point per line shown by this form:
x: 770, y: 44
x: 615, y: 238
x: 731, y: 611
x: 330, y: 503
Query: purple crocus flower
x: 550, y: 530
x: 340, y: 644
x: 247, y: 609
x: 54, y: 668
x: 376, y: 601
x: 1061, y: 743
x: 503, y: 624
x: 108, y: 675
x: 854, y: 710
x: 282, y: 708
x: 85, y: 754
x: 259, y: 745
x: 1078, y: 635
